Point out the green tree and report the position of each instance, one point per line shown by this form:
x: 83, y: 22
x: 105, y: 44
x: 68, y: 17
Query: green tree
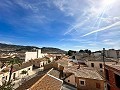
x: 89, y: 52
x: 71, y: 52
x: 86, y: 50
x: 81, y: 51
x: 24, y: 72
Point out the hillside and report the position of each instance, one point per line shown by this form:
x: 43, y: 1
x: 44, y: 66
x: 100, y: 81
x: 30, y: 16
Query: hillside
x: 20, y: 48
x: 10, y: 48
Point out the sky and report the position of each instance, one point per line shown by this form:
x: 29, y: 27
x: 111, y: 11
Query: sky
x: 64, y: 24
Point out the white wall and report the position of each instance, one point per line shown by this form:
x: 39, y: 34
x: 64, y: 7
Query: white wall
x: 111, y: 53
x: 34, y: 55
x: 51, y: 59
x: 4, y: 75
x: 97, y: 54
x: 18, y: 74
x: 30, y: 55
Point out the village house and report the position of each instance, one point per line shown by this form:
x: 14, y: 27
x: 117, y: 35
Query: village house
x: 112, y: 76
x: 84, y: 78
x: 17, y: 72
x: 98, y: 63
x: 112, y: 53
x: 34, y: 55
x: 29, y: 67
x: 79, y: 55
x: 97, y: 53
x: 38, y: 63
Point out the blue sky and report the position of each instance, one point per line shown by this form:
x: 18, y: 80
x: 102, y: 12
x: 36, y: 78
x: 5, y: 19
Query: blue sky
x: 66, y: 24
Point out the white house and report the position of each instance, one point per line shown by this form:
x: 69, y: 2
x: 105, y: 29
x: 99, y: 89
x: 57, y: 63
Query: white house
x: 97, y: 54
x: 111, y: 53
x: 34, y: 55
x: 17, y: 72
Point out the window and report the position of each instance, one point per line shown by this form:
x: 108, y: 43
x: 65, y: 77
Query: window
x: 101, y: 65
x: 117, y: 80
x: 106, y: 74
x: 28, y: 68
x: 73, y: 57
x: 14, y: 75
x: 6, y: 77
x: 98, y: 85
x: 41, y: 65
x: 92, y: 64
x: 3, y: 78
x: 82, y: 82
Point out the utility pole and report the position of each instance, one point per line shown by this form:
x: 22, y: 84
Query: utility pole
x: 104, y: 57
x: 104, y: 68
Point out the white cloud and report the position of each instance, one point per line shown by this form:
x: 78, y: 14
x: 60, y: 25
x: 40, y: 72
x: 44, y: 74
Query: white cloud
x: 100, y: 11
x: 75, y: 27
x: 6, y: 42
x: 103, y: 28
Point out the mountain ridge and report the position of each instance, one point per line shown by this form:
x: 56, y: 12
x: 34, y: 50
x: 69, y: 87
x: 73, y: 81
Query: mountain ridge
x: 21, y: 48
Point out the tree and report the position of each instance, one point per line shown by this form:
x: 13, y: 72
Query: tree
x: 12, y: 62
x: 70, y: 52
x: 89, y: 52
x: 86, y: 51
x: 24, y: 72
x: 81, y: 51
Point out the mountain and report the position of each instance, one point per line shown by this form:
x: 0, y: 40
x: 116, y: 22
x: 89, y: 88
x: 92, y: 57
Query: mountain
x: 15, y: 48
x: 20, y: 48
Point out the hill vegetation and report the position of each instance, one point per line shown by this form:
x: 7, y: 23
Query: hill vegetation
x: 20, y: 48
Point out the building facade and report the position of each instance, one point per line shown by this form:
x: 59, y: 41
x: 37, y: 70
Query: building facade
x: 98, y: 63
x: 84, y: 78
x: 112, y: 77
x: 34, y: 55
x: 111, y: 53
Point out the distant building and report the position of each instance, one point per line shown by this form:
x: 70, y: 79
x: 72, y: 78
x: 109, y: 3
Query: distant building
x: 84, y: 78
x: 97, y: 53
x: 34, y: 55
x: 79, y: 55
x: 97, y: 63
x: 111, y: 53
x: 112, y: 75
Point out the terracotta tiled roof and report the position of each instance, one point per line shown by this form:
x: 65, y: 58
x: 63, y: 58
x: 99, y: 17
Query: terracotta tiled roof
x: 84, y: 72
x: 100, y: 59
x: 47, y: 82
x: 23, y: 65
x: 63, y: 62
x: 27, y: 84
x: 117, y: 66
x: 54, y: 73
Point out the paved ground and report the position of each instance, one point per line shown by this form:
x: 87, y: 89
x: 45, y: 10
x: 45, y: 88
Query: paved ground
x: 68, y: 87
